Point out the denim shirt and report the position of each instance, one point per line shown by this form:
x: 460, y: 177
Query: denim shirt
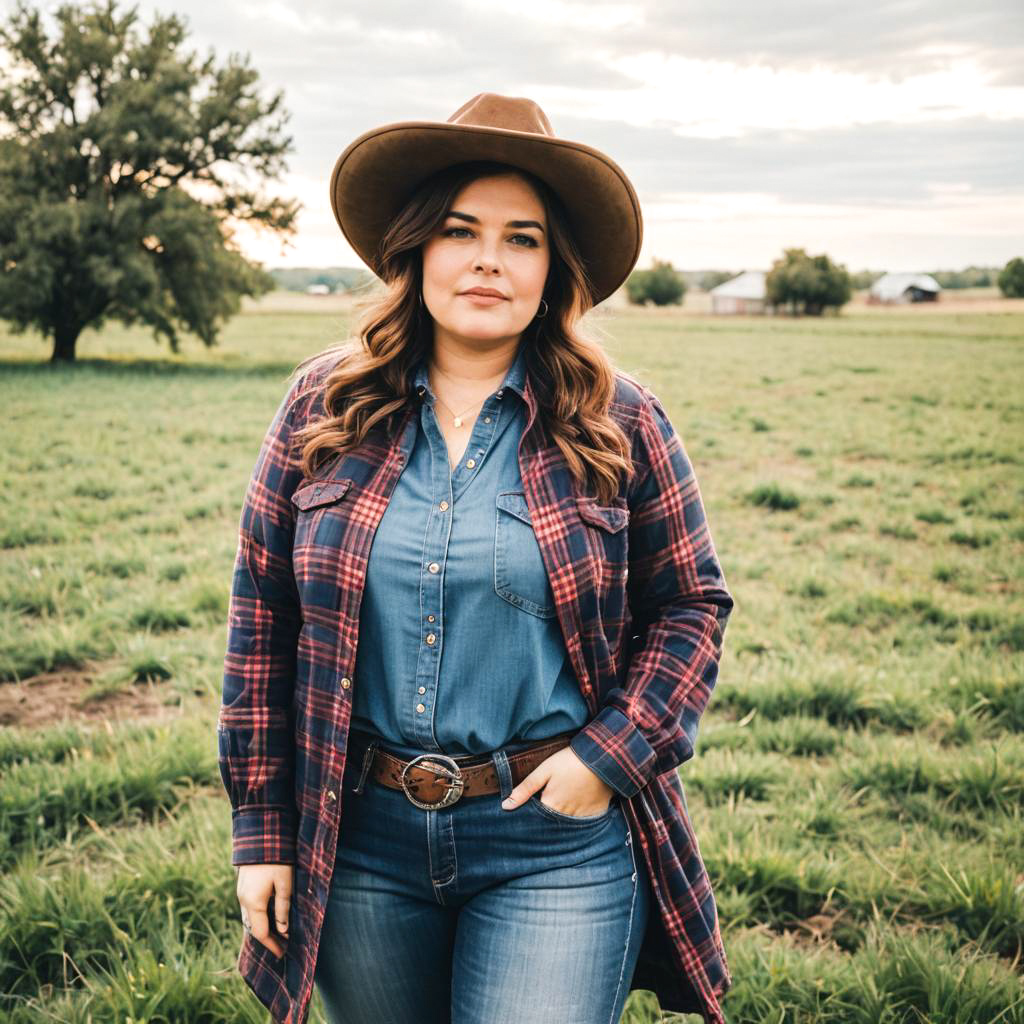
x: 460, y: 651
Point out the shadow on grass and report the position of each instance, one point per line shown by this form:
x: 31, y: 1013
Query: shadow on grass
x: 114, y: 369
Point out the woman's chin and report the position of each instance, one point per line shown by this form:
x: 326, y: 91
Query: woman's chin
x: 481, y: 328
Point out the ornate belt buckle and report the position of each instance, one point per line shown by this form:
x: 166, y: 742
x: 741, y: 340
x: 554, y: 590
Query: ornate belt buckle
x: 454, y: 777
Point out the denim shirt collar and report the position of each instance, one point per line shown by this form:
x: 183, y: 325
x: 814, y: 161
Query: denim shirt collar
x: 514, y: 379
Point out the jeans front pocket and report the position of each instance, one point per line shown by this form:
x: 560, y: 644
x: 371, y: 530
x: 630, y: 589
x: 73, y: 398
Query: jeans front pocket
x: 572, y: 819
x: 520, y: 576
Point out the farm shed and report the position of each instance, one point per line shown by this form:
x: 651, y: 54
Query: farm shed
x: 742, y: 294
x: 904, y: 288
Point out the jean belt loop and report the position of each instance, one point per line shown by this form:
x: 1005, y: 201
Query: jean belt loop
x: 367, y: 759
x: 504, y: 771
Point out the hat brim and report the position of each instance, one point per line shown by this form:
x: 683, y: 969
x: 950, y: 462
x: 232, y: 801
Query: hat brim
x: 377, y: 172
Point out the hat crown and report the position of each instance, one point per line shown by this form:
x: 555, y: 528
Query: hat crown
x: 377, y: 174
x: 509, y: 113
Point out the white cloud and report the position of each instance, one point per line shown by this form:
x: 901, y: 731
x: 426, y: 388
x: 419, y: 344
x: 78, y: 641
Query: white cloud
x: 581, y: 15
x: 889, y: 140
x: 720, y: 99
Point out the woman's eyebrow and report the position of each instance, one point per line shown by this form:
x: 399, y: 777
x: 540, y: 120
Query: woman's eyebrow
x: 509, y: 224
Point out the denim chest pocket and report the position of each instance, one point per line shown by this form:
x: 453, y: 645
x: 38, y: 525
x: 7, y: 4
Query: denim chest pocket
x: 519, y: 573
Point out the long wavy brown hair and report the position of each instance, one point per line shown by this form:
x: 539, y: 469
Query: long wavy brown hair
x: 570, y: 374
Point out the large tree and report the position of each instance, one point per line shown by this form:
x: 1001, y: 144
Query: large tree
x: 124, y: 163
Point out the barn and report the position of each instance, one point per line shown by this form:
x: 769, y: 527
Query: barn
x: 742, y: 294
x: 891, y: 288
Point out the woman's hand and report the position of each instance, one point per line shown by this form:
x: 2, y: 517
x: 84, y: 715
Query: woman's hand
x: 259, y: 885
x: 570, y: 786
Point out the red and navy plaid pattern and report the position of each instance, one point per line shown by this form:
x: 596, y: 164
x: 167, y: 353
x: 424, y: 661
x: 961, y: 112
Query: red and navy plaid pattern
x: 642, y: 603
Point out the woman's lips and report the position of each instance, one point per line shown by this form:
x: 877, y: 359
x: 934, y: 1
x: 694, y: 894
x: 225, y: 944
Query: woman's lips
x: 482, y: 300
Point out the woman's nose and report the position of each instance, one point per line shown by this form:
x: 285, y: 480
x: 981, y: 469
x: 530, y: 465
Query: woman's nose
x: 487, y: 258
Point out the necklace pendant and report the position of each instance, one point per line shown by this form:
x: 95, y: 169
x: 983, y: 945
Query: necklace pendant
x: 458, y: 421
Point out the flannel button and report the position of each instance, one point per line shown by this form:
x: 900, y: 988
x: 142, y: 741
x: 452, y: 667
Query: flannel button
x: 346, y: 683
x: 331, y: 795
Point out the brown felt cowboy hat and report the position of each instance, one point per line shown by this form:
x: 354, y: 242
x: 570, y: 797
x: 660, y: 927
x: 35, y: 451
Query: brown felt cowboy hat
x: 378, y: 171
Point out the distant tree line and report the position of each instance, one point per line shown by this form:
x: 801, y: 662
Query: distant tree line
x: 807, y: 285
x: 337, y: 279
x: 969, y: 277
x: 802, y: 284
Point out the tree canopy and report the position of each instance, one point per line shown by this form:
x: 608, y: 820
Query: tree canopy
x: 1011, y: 279
x: 124, y: 164
x: 807, y: 284
x: 662, y: 285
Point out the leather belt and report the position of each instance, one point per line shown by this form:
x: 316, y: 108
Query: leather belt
x: 432, y: 781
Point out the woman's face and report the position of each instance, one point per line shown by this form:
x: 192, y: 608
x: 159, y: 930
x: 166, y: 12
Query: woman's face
x: 494, y: 236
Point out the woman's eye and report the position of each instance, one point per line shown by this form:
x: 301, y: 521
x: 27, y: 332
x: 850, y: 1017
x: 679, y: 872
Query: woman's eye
x: 530, y: 240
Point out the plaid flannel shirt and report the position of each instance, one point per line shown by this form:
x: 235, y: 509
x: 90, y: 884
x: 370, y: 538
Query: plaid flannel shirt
x: 642, y: 603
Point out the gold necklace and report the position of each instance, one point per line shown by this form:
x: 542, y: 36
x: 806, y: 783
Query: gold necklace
x: 456, y: 419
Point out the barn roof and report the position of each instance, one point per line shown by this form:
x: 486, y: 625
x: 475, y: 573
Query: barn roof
x: 892, y: 286
x: 748, y: 285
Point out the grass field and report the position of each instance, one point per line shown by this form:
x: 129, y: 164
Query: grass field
x: 859, y: 780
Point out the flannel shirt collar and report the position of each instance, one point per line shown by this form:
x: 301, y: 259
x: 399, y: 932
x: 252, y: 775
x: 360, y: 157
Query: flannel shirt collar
x: 515, y: 378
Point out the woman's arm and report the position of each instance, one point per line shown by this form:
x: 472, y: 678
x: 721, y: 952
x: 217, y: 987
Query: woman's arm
x: 679, y: 606
x: 255, y: 738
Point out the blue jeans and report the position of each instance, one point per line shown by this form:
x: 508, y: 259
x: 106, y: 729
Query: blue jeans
x: 472, y: 914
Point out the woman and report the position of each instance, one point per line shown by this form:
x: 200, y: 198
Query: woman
x: 476, y: 615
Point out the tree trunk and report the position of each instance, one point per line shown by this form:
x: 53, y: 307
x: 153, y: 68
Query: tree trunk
x: 64, y: 345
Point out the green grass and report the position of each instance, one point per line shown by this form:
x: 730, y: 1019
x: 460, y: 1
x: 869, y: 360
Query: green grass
x: 858, y: 785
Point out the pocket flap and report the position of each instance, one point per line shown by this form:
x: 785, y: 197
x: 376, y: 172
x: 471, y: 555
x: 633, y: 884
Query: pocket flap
x: 608, y: 517
x: 322, y: 493
x: 515, y: 503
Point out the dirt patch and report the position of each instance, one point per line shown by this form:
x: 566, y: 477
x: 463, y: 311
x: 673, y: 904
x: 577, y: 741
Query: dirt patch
x: 815, y: 932
x: 56, y: 698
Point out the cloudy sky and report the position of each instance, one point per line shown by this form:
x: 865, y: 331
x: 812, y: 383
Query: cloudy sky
x: 889, y: 135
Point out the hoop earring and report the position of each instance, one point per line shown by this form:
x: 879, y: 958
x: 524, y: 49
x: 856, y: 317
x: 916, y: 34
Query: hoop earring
x: 540, y: 316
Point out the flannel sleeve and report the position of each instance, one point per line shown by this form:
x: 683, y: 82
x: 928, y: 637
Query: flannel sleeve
x: 256, y: 745
x: 679, y: 605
